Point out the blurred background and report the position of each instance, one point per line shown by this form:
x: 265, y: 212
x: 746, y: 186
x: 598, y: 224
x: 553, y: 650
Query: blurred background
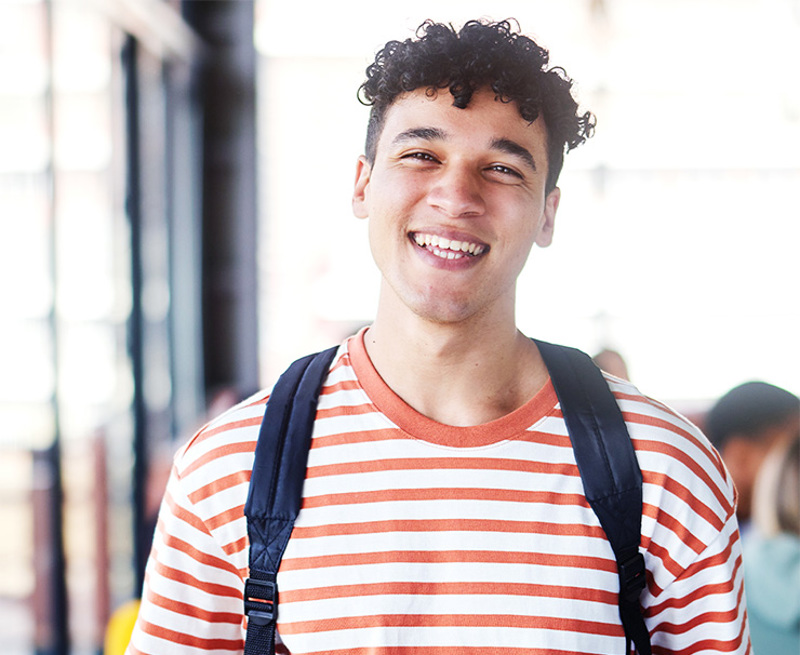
x: 175, y: 228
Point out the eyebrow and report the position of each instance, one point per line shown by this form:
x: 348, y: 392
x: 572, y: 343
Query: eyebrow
x: 435, y: 134
x: 513, y: 148
x: 425, y: 133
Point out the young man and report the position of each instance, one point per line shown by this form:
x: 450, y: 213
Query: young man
x: 442, y: 507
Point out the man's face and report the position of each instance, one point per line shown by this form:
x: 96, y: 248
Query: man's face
x: 456, y: 199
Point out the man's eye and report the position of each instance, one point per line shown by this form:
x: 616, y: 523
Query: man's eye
x: 420, y: 156
x: 505, y: 170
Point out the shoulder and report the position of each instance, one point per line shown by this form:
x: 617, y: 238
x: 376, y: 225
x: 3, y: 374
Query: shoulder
x: 658, y: 429
x: 224, y: 448
x: 211, y: 474
x: 224, y: 443
x: 688, y: 493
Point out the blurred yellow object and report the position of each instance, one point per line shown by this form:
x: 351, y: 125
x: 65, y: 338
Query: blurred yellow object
x: 120, y: 627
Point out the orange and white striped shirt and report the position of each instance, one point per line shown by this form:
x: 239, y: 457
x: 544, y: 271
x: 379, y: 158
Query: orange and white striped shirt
x: 418, y: 537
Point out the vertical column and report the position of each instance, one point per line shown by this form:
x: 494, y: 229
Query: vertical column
x: 229, y: 203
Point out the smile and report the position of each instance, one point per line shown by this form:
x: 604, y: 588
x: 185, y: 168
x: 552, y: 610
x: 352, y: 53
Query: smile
x: 448, y: 248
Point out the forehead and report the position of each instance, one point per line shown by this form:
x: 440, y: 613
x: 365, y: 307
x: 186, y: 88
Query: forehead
x: 485, y: 118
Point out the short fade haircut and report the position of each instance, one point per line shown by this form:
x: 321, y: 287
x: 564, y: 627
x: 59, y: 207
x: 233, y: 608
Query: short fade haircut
x: 749, y: 409
x: 480, y: 54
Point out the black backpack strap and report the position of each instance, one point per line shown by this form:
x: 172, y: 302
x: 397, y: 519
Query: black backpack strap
x: 609, y: 470
x: 276, y: 489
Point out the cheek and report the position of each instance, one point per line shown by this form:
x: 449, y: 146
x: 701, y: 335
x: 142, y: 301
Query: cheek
x: 374, y: 237
x: 523, y: 239
x: 381, y: 233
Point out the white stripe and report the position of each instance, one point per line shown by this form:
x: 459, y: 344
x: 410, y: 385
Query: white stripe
x: 451, y: 572
x: 509, y: 542
x: 454, y: 637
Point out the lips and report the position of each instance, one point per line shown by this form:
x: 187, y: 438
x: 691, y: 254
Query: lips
x: 448, y: 248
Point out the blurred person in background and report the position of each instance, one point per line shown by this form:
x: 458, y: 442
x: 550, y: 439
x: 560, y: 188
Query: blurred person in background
x: 772, y: 552
x: 611, y: 361
x: 743, y: 425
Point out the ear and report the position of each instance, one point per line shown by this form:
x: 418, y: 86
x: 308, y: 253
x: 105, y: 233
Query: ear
x: 360, y: 194
x: 545, y: 236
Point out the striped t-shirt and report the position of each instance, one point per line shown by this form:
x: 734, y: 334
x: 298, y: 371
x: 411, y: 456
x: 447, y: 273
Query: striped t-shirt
x: 418, y: 537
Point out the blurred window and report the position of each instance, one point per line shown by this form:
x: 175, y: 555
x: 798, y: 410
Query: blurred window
x: 87, y: 368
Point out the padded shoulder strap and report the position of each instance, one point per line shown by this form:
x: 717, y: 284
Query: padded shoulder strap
x: 276, y: 488
x: 609, y: 470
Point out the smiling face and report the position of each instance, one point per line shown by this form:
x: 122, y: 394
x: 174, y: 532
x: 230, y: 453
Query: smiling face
x: 455, y: 200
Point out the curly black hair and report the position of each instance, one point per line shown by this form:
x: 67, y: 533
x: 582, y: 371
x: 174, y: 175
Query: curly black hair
x: 478, y: 55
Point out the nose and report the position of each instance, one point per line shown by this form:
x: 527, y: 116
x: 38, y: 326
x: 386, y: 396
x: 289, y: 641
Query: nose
x: 456, y: 192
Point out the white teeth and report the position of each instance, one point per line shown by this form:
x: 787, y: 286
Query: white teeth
x: 447, y: 248
x: 447, y: 254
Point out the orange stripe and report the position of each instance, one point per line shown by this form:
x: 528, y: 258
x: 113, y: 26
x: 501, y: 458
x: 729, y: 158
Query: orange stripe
x: 223, y: 518
x: 388, y: 434
x: 700, y: 619
x: 234, y: 618
x: 342, y: 385
x: 672, y: 524
x: 652, y: 421
x: 449, y: 525
x: 208, y: 432
x: 718, y: 560
x: 236, y: 546
x: 677, y: 453
x: 494, y: 621
x: 218, y: 485
x: 651, y: 403
x: 449, y: 650
x: 356, y: 436
x: 697, y: 594
x: 443, y: 463
x: 191, y: 519
x: 662, y: 553
x: 346, y: 410
x: 705, y: 646
x: 180, y: 513
x: 645, y: 400
x: 190, y: 581
x: 656, y: 422
x: 683, y: 493
x: 224, y: 450
x: 392, y: 495
x: 450, y: 589
x: 234, y: 645
x: 259, y: 400
x: 546, y: 439
x: 449, y: 556
x: 198, y: 556
x: 341, y: 362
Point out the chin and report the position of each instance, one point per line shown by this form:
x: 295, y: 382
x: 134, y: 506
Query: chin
x: 432, y: 304
x: 446, y: 313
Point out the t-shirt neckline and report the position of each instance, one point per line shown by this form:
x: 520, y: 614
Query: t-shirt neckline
x: 421, y: 427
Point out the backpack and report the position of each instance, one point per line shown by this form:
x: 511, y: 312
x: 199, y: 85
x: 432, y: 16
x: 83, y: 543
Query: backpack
x: 603, y: 450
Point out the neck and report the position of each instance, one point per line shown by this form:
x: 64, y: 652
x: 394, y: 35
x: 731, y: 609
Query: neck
x: 467, y: 373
